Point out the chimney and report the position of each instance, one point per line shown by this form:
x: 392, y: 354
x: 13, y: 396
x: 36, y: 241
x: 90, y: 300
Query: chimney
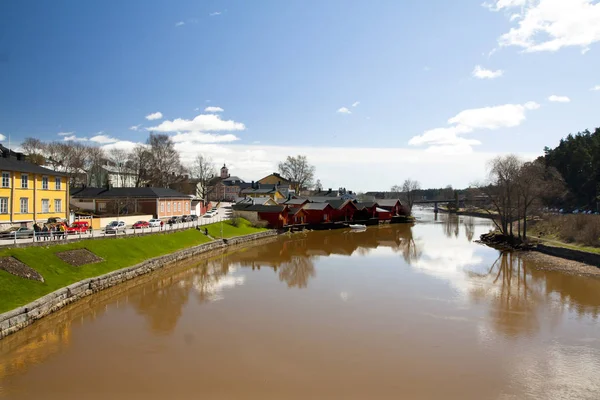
x: 329, y: 191
x: 252, y: 185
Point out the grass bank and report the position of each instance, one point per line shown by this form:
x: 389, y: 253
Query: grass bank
x: 577, y: 232
x: 117, y: 253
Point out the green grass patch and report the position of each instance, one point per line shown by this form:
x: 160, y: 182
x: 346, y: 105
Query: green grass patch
x: 117, y: 253
x: 557, y: 243
x: 244, y: 228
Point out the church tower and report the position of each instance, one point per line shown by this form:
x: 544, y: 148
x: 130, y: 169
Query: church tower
x: 224, y: 172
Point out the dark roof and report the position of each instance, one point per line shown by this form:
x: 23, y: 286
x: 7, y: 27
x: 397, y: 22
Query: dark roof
x: 140, y: 192
x: 338, y: 204
x: 316, y: 206
x: 366, y: 204
x: 326, y: 193
x: 261, y: 190
x: 262, y: 208
x: 233, y: 178
x: 11, y: 163
x: 388, y: 202
x: 294, y: 211
x: 322, y: 199
x: 296, y: 201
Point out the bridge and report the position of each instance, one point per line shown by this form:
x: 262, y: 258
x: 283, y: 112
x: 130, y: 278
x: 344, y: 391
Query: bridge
x: 436, y: 202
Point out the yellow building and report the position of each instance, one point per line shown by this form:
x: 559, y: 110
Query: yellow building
x: 271, y: 191
x: 275, y: 179
x: 28, y: 192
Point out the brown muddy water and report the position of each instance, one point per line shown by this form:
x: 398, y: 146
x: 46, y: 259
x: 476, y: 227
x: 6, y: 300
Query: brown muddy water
x: 394, y: 312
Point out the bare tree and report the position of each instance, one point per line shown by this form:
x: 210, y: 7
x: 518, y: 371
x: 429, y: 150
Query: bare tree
x: 502, y: 191
x: 203, y: 170
x: 298, y: 171
x: 139, y: 162
x: 94, y: 159
x: 34, y: 149
x: 408, y: 191
x: 118, y: 161
x: 165, y: 166
x: 318, y: 186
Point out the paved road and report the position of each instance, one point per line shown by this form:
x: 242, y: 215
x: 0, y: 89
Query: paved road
x: 223, y: 213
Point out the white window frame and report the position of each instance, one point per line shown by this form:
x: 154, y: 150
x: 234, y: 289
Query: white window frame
x: 6, y: 174
x: 46, y: 210
x: 57, y: 183
x: 45, y: 182
x: 26, y: 180
x: 3, y: 205
x: 24, y: 201
x: 162, y: 207
x: 179, y: 206
x: 168, y: 206
x: 57, y: 205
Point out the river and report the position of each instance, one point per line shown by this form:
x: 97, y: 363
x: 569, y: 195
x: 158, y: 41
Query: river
x: 394, y: 312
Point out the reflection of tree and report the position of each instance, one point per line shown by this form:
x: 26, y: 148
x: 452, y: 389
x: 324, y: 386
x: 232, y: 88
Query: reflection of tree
x: 297, y: 272
x: 451, y: 225
x: 162, y: 302
x: 469, y: 228
x: 410, y: 251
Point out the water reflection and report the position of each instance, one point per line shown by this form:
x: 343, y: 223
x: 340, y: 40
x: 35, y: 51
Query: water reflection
x: 501, y: 300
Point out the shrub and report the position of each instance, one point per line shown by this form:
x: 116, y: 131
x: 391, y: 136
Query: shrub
x: 260, y: 224
x: 235, y: 221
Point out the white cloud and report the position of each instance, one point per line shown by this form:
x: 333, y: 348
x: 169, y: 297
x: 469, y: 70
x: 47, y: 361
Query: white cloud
x: 2, y: 137
x: 180, y: 23
x: 549, y: 25
x: 73, y: 138
x: 447, y: 139
x: 65, y: 133
x: 355, y: 104
x: 201, y: 137
x: 214, y: 14
x: 482, y: 73
x: 559, y: 99
x: 103, y: 139
x: 135, y: 127
x: 202, y: 123
x: 213, y: 109
x: 595, y: 88
x: 153, y: 116
x: 121, y: 145
x: 344, y: 110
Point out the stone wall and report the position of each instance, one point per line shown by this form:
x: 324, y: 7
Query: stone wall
x: 19, y: 318
x: 570, y: 254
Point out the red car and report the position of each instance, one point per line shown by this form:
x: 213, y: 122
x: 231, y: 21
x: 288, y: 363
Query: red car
x: 79, y: 227
x: 141, y: 224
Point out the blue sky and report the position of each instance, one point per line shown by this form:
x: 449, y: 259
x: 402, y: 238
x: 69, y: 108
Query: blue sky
x: 287, y: 74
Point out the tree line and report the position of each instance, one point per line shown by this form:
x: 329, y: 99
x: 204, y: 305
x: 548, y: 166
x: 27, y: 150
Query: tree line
x: 156, y: 163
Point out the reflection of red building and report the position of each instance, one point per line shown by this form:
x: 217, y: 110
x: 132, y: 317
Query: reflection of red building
x: 317, y: 213
x: 343, y: 210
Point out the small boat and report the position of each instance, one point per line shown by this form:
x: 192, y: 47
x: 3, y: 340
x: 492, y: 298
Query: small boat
x: 357, y: 226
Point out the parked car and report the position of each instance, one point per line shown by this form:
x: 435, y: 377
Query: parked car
x: 78, y: 227
x: 18, y: 233
x: 115, y: 227
x: 186, y: 218
x: 141, y: 225
x: 155, y: 223
x: 174, y: 220
x: 193, y: 217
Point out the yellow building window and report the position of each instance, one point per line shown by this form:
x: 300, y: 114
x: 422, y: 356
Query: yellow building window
x: 57, y: 205
x: 45, y: 206
x: 4, y: 205
x: 45, y: 182
x: 5, y: 179
x: 24, y: 181
x: 24, y: 205
x: 57, y: 183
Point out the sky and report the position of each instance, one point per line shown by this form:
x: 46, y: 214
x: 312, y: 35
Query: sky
x: 371, y: 92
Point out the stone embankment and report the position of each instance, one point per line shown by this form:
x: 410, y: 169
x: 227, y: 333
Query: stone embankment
x: 19, y: 318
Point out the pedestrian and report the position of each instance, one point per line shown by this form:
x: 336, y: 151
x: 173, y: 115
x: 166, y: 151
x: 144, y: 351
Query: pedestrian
x: 161, y: 225
x: 62, y: 231
x: 36, y: 231
x: 45, y: 232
